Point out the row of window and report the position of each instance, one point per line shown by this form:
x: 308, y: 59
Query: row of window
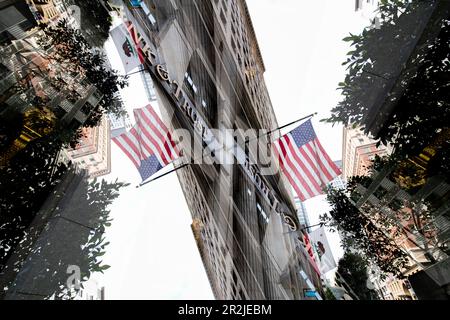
x: 194, y: 88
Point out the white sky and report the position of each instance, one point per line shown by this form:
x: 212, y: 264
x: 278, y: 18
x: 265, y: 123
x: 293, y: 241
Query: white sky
x: 152, y: 252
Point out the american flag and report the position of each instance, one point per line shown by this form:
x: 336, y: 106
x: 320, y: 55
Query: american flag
x: 148, y: 144
x: 304, y: 161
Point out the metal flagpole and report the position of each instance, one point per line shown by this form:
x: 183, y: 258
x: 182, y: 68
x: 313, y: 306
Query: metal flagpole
x: 139, y: 71
x: 164, y: 174
x: 291, y: 123
x: 321, y: 224
x: 268, y: 134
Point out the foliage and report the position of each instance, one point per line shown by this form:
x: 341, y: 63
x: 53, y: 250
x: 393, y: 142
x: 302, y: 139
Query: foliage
x: 71, y: 50
x: 329, y: 294
x: 24, y: 186
x: 30, y: 180
x: 84, y: 244
x: 33, y: 174
x: 353, y: 269
x: 10, y: 127
x: 440, y: 164
x: 359, y: 233
x: 422, y: 111
x: 95, y: 20
x: 87, y: 248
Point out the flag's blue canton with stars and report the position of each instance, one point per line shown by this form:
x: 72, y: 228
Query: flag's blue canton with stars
x: 303, y: 134
x: 149, y: 167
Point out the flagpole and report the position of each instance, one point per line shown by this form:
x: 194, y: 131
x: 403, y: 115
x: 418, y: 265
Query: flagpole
x: 321, y: 224
x: 164, y: 174
x: 186, y: 164
x: 291, y: 123
x: 138, y: 122
x: 139, y: 71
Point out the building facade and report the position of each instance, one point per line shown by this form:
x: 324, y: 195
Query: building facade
x: 420, y: 231
x: 148, y: 84
x: 93, y: 151
x: 367, y: 9
x: 119, y: 125
x: 28, y: 90
x: 25, y: 65
x: 366, y: 5
x: 209, y: 51
x: 338, y: 182
x: 16, y: 20
x: 302, y: 214
x: 91, y: 290
x: 358, y: 151
x: 45, y: 11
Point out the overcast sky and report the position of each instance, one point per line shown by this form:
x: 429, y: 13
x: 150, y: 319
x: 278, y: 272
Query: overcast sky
x: 152, y: 252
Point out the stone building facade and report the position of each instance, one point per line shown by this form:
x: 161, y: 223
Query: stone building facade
x: 207, y: 52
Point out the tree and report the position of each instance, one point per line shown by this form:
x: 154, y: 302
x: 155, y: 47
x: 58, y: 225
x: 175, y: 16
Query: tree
x: 415, y: 124
x: 353, y: 269
x: 10, y: 127
x: 361, y: 234
x: 329, y: 294
x: 86, y: 248
x: 24, y: 186
x: 95, y: 20
x: 88, y: 204
x: 69, y: 48
x: 30, y: 173
x: 422, y: 111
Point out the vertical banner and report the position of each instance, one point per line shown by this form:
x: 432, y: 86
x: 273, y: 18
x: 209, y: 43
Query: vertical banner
x: 126, y: 48
x: 320, y: 244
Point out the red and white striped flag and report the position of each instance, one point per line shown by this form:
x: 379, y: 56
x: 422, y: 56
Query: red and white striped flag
x: 148, y: 144
x: 304, y: 161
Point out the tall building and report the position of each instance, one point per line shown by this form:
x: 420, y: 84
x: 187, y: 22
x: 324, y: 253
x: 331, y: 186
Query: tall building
x: 59, y: 5
x: 358, y: 151
x: 366, y: 5
x: 302, y: 214
x: 148, y: 84
x: 119, y: 125
x: 367, y: 9
x: 208, y: 74
x: 338, y: 182
x: 28, y: 90
x: 16, y: 20
x: 29, y: 86
x: 93, y: 152
x: 420, y: 231
x: 45, y: 11
x: 91, y: 290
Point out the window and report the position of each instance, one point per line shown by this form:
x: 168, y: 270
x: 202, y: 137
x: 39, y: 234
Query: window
x: 191, y: 82
x: 188, y: 77
x: 201, y: 88
x: 147, y: 12
x: 262, y: 212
